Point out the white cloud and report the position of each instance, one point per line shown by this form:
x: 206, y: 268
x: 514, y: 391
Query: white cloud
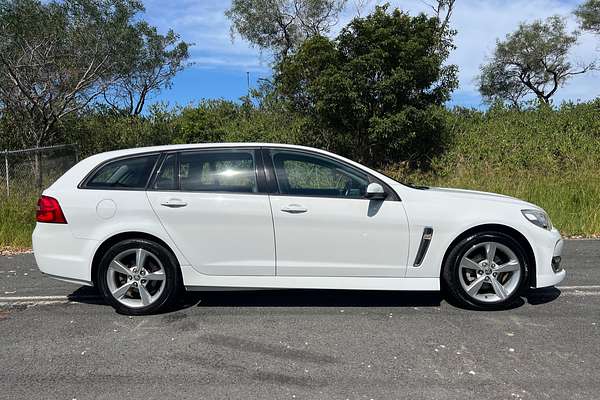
x: 478, y: 22
x: 204, y: 24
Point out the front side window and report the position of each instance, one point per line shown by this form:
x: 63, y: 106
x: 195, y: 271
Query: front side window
x: 218, y: 171
x: 310, y: 175
x: 127, y: 173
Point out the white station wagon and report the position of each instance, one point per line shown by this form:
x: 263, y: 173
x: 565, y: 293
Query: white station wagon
x: 141, y: 224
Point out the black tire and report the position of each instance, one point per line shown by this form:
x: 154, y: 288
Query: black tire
x: 450, y: 275
x: 172, y: 278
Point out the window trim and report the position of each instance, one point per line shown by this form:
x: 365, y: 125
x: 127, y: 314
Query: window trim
x: 274, y: 183
x: 258, y: 170
x: 84, y: 182
x: 263, y: 165
x: 152, y: 183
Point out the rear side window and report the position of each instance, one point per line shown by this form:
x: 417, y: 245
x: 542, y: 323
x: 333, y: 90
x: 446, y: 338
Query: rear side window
x: 127, y: 173
x: 218, y: 171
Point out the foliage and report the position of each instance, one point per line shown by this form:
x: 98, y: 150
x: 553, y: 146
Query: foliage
x: 282, y: 25
x: 17, y: 220
x: 209, y: 121
x: 546, y: 156
x: 533, y: 59
x: 443, y: 10
x: 105, y: 130
x: 538, y: 141
x: 155, y: 60
x: 376, y: 92
x: 542, y: 141
x: 58, y: 57
x: 588, y: 14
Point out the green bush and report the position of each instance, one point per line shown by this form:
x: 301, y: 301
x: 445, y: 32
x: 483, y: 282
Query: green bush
x: 541, y: 140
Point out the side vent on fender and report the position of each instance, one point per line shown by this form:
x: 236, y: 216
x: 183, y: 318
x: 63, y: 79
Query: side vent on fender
x: 425, y: 240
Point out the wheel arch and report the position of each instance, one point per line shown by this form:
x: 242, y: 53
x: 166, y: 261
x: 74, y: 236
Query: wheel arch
x: 107, y: 243
x: 518, y: 236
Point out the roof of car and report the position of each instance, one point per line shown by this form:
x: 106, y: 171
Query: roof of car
x: 173, y: 147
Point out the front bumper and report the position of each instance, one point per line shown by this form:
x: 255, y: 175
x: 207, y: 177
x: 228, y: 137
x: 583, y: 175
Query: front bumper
x: 549, y: 271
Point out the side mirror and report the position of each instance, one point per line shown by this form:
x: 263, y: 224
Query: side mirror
x: 375, y: 192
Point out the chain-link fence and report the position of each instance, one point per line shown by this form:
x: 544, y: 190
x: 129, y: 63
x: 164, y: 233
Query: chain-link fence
x: 30, y: 171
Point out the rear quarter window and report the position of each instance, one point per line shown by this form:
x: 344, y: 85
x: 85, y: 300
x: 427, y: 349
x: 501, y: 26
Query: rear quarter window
x: 126, y: 173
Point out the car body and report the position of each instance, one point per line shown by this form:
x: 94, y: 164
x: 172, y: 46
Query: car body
x: 258, y: 215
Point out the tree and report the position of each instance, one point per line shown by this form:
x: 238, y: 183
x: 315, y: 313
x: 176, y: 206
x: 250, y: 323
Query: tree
x: 443, y: 10
x: 375, y: 93
x: 282, y: 25
x: 588, y: 14
x: 59, y: 57
x: 155, y: 60
x: 531, y: 60
x: 56, y: 58
x: 496, y: 88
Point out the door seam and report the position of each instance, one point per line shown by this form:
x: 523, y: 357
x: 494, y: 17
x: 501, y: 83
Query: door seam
x: 274, y: 233
x: 165, y: 230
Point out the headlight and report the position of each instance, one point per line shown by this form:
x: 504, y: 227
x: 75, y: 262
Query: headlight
x: 538, y: 217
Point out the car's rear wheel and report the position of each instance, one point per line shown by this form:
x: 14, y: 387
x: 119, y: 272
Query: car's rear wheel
x: 138, y: 277
x: 486, y: 271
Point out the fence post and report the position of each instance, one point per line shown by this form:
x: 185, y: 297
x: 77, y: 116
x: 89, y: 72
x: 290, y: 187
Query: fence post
x: 6, y: 172
x: 38, y: 169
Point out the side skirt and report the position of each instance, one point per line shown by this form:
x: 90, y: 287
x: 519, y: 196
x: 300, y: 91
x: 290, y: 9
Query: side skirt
x: 69, y: 280
x: 194, y: 280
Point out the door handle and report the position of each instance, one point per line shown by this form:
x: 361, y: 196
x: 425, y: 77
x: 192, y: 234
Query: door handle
x: 174, y: 203
x: 294, y: 209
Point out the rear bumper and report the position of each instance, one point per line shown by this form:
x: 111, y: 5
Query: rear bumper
x: 62, y: 256
x: 548, y: 255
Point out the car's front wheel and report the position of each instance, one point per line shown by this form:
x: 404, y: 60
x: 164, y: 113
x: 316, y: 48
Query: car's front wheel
x: 486, y: 270
x: 138, y: 277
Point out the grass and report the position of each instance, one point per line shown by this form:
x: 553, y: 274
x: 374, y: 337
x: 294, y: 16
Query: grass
x: 17, y: 220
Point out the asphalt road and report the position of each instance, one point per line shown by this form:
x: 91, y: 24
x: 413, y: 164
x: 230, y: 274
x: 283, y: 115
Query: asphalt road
x: 301, y: 344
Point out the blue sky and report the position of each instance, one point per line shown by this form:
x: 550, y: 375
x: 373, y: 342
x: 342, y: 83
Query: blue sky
x: 221, y: 62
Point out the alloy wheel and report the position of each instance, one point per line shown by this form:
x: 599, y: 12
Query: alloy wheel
x: 136, y: 278
x: 490, y: 272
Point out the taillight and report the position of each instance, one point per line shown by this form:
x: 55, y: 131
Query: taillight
x: 48, y: 210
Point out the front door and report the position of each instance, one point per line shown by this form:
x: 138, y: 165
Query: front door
x: 324, y: 225
x: 209, y: 203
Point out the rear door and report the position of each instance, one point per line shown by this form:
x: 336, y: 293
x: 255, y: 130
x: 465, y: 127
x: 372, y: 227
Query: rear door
x: 211, y: 204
